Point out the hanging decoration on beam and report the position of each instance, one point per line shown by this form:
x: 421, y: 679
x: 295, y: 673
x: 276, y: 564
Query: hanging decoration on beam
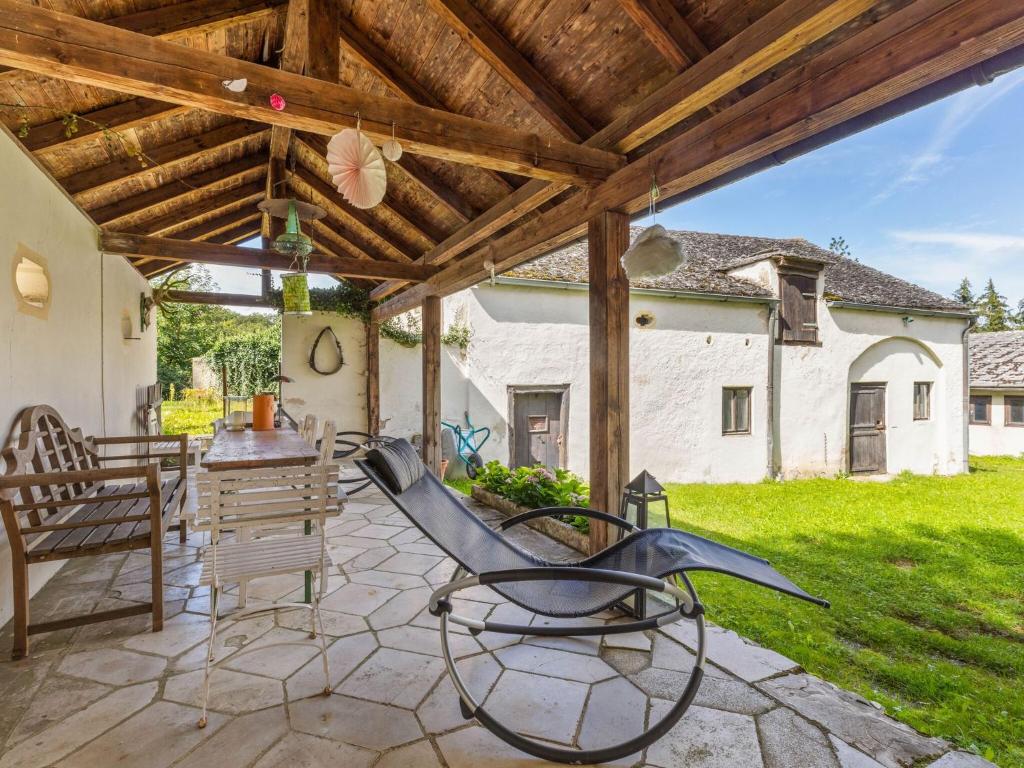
x: 391, y: 149
x: 356, y: 167
x: 654, y: 253
x: 236, y: 86
x: 293, y: 242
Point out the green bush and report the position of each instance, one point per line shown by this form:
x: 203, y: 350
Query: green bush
x: 252, y: 360
x: 536, y: 487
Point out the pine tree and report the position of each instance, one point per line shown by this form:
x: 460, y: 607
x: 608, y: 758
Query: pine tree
x: 840, y: 247
x: 965, y: 293
x: 993, y: 311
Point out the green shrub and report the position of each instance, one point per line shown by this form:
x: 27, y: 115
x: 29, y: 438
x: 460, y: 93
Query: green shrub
x: 536, y: 487
x: 252, y: 360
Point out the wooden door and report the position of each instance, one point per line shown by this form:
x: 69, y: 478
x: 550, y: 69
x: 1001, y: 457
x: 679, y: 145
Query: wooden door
x: 537, y: 429
x: 867, y: 428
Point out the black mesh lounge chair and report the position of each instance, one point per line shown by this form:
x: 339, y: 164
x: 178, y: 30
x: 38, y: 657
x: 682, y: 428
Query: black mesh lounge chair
x: 647, y: 559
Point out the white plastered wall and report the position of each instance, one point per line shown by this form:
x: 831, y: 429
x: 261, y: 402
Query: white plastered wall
x: 74, y: 354
x: 997, y: 439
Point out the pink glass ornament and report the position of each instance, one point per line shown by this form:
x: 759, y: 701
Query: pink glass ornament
x: 277, y: 101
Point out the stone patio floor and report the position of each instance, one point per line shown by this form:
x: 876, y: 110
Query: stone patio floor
x: 117, y: 694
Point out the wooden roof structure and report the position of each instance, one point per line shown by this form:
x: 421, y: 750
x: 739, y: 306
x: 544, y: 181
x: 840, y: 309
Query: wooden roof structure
x: 520, y: 119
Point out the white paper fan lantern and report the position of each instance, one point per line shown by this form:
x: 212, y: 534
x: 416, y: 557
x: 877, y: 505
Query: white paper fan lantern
x: 356, y: 168
x: 392, y: 150
x: 653, y: 254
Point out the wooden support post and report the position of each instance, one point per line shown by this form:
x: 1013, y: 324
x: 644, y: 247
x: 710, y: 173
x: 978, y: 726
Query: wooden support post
x: 432, y: 383
x: 373, y: 377
x: 608, y: 238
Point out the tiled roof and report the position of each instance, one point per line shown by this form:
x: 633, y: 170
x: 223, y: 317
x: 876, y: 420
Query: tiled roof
x: 712, y: 255
x: 997, y: 359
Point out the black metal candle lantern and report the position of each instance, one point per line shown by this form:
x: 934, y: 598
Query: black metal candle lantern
x: 642, y: 491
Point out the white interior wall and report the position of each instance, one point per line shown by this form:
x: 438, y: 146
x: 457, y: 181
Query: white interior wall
x: 997, y: 439
x: 73, y: 355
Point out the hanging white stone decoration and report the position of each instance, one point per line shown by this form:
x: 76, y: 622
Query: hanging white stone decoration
x: 653, y: 254
x: 391, y: 149
x: 356, y: 168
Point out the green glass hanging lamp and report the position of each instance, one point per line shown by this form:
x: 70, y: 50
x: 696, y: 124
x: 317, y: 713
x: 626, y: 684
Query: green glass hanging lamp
x: 293, y: 242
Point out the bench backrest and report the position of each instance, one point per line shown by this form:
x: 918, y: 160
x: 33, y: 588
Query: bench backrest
x: 43, y: 443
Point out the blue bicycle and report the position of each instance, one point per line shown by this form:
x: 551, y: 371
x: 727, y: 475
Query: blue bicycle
x: 467, y: 447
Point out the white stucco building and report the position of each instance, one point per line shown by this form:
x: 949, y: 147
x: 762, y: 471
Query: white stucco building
x: 760, y: 358
x: 997, y: 393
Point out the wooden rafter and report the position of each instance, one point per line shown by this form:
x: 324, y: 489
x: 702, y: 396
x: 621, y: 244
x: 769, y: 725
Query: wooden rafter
x: 790, y: 27
x: 667, y: 31
x: 912, y: 48
x: 413, y: 170
x: 218, y: 224
x: 180, y: 191
x: 492, y: 46
x: 88, y: 52
x: 210, y: 253
x: 119, y: 117
x: 232, y: 198
x: 179, y: 151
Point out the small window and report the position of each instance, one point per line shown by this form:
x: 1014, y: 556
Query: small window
x: 1013, y: 411
x: 798, y: 314
x: 981, y: 409
x: 736, y: 411
x: 922, y: 400
x: 537, y: 423
x: 32, y: 282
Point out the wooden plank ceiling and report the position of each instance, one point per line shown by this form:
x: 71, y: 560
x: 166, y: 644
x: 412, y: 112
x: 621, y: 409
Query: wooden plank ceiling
x: 521, y: 118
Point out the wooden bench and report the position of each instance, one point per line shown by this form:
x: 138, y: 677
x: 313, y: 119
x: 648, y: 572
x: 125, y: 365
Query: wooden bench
x: 58, y: 502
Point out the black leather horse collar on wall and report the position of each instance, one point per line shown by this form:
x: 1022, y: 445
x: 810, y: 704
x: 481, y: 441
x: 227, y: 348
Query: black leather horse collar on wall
x: 337, y: 346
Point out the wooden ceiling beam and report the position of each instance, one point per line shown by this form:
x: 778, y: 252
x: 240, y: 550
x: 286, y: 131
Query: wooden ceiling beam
x: 908, y: 50
x: 492, y: 46
x: 667, y: 31
x: 237, y: 234
x: 214, y: 226
x: 83, y: 51
x: 180, y: 218
x: 118, y: 117
x: 179, y: 190
x: 332, y: 229
x: 791, y: 26
x: 189, y: 148
x: 427, y: 183
x: 210, y: 253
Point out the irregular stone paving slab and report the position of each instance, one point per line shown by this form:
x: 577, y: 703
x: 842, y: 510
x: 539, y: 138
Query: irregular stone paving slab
x: 233, y: 692
x: 178, y: 635
x: 59, y: 697
x: 153, y: 738
x: 787, y: 740
x: 300, y: 749
x: 591, y: 645
x: 410, y: 562
x: 400, y: 609
x: 385, y: 579
x: 241, y: 741
x: 961, y: 760
x: 19, y: 681
x: 636, y: 641
x: 477, y: 747
x: 341, y: 554
x: 428, y: 641
x: 440, y: 711
x: 731, y: 695
x: 615, y: 712
x: 538, y: 706
x: 371, y: 558
x: 231, y: 636
x: 854, y: 720
x: 64, y: 737
x: 343, y: 656
x: 336, y: 624
x: 418, y: 755
x: 358, y: 599
x: 354, y: 721
x: 113, y: 666
x: 142, y: 592
x: 279, y: 662
x: 743, y: 658
x: 378, y: 531
x: 850, y: 757
x: 706, y: 738
x: 394, y: 677
x: 554, y: 663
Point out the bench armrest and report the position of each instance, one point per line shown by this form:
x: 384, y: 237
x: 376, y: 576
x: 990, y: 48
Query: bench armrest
x: 128, y: 439
x: 149, y: 472
x: 180, y: 452
x: 548, y: 511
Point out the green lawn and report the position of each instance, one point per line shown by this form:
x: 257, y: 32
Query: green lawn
x: 926, y: 580
x: 195, y: 418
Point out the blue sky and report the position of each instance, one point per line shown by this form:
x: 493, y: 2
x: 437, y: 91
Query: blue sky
x: 932, y: 196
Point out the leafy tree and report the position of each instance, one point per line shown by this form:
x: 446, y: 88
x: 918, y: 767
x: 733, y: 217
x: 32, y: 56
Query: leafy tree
x: 993, y: 311
x: 840, y: 247
x: 251, y: 359
x: 185, y: 331
x: 965, y: 293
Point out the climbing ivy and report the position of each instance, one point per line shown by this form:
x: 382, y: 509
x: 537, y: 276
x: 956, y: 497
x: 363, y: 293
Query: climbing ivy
x: 252, y: 360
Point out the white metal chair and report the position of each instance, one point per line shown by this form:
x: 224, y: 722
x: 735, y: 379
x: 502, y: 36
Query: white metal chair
x: 243, y: 500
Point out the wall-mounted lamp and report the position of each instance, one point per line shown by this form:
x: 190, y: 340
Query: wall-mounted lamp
x: 907, y: 320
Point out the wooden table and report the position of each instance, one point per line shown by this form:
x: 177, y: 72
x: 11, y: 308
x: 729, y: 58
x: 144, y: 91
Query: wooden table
x: 247, y: 449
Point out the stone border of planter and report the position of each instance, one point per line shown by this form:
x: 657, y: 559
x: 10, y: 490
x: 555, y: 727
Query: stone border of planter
x: 549, y: 526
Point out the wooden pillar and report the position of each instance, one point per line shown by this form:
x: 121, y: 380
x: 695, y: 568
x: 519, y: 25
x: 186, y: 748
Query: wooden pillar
x: 373, y: 378
x: 608, y: 238
x: 432, y: 383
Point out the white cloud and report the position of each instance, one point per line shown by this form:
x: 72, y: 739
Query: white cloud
x: 962, y: 110
x: 972, y: 241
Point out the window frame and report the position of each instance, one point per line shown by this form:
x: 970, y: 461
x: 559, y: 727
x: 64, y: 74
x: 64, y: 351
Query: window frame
x: 988, y: 410
x: 927, y: 385
x: 729, y: 397
x: 1007, y: 406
